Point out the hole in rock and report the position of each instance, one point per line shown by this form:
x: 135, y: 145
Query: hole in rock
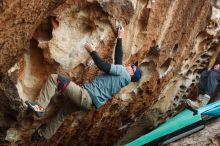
x: 195, y: 71
x: 182, y: 87
x: 194, y: 66
x: 1, y: 76
x: 114, y: 107
x: 192, y: 84
x: 187, y: 66
x: 53, y: 21
x: 197, y: 61
x: 204, y: 56
x: 104, y: 119
x: 143, y: 21
x: 89, y: 26
x: 148, y: 69
x: 175, y: 48
x: 176, y: 98
x: 44, y: 30
x: 189, y: 72
x: 158, y: 81
x: 153, y: 53
x: 164, y: 67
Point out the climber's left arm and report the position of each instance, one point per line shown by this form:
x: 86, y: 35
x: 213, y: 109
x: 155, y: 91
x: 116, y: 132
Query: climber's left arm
x: 100, y: 63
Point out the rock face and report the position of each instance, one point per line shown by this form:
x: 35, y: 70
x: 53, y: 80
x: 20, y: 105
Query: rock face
x: 18, y: 22
x: 173, y: 41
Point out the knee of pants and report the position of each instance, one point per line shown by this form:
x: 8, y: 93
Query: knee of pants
x: 204, y: 73
x: 214, y: 75
x: 53, y: 77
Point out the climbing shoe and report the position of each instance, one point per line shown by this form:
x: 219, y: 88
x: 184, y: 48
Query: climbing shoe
x: 204, y: 99
x: 32, y: 107
x: 201, y: 101
x: 36, y: 136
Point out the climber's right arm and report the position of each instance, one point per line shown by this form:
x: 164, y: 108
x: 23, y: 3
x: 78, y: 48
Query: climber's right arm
x: 100, y: 63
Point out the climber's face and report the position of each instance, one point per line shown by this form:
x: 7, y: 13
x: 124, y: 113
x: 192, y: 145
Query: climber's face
x: 217, y: 66
x: 131, y: 69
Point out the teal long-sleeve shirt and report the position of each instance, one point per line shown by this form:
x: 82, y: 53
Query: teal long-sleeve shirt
x: 104, y: 86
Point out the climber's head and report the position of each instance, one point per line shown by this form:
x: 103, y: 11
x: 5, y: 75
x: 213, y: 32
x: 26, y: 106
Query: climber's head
x: 217, y: 63
x: 134, y: 71
x: 217, y: 60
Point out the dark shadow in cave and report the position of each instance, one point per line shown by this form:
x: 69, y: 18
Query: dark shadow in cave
x: 44, y: 30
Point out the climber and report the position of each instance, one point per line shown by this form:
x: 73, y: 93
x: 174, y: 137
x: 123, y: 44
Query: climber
x: 207, y: 85
x: 93, y: 94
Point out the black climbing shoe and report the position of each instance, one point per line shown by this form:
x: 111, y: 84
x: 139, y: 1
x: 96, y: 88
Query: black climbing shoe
x: 36, y: 136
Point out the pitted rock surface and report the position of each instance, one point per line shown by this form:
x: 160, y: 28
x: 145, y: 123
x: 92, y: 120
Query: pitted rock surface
x: 172, y: 41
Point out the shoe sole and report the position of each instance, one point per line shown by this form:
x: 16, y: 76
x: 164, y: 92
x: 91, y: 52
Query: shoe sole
x: 30, y: 106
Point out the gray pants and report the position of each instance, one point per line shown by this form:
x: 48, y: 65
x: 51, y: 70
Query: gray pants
x: 208, y: 81
x: 78, y: 97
